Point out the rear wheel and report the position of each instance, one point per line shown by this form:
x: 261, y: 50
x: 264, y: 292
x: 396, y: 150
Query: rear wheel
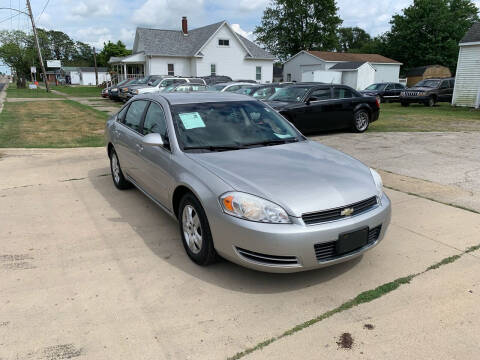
x: 195, y: 231
x: 361, y: 120
x: 117, y: 174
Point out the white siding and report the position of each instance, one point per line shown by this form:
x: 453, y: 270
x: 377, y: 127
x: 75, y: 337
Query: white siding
x: 295, y: 64
x: 88, y: 78
x: 349, y: 78
x: 230, y: 60
x: 386, y: 72
x: 75, y: 77
x: 366, y: 76
x: 467, y: 80
x: 158, y: 65
x: 329, y: 77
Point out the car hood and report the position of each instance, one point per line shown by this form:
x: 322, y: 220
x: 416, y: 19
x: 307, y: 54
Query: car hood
x: 280, y: 105
x: 419, y: 88
x: 301, y: 177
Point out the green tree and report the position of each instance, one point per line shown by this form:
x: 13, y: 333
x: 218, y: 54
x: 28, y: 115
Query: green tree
x: 17, y: 52
x: 428, y: 32
x: 112, y: 49
x: 352, y: 39
x: 289, y: 26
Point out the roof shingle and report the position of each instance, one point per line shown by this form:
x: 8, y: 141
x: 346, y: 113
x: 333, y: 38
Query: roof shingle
x: 350, y: 65
x: 354, y: 57
x: 472, y: 35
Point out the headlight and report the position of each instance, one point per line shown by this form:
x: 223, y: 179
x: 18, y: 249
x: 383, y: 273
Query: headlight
x: 250, y: 207
x: 115, y: 89
x: 136, y: 92
x: 378, y: 182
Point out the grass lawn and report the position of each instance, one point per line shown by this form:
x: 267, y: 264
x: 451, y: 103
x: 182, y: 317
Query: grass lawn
x: 77, y: 90
x: 52, y: 124
x: 14, y: 92
x: 417, y: 117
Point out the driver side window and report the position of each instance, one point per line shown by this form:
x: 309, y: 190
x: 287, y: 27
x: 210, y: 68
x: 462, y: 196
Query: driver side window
x: 155, y: 121
x: 320, y: 94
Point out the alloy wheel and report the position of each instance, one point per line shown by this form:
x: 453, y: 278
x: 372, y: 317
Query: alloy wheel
x: 361, y: 120
x: 192, y: 229
x: 115, y: 168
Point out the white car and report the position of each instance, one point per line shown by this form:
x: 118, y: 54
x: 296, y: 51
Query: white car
x: 163, y: 83
x: 230, y: 87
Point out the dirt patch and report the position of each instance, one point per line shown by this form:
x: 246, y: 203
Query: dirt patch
x: 65, y: 351
x: 345, y: 341
x: 369, y: 326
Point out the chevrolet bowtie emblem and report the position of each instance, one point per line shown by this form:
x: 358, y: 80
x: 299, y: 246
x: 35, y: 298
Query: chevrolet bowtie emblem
x: 347, y: 212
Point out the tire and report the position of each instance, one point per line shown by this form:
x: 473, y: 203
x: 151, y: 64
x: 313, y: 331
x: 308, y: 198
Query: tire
x: 361, y: 120
x: 430, y: 102
x: 404, y: 104
x: 195, y: 231
x: 117, y: 175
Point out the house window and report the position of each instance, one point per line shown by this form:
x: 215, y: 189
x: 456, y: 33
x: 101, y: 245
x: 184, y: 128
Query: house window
x: 213, y: 69
x: 258, y: 74
x: 223, y: 42
x: 289, y: 77
x: 171, y: 70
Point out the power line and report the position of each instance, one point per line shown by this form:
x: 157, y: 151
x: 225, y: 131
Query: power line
x: 9, y: 18
x: 46, y: 4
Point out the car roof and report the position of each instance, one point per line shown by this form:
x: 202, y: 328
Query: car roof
x: 175, y: 98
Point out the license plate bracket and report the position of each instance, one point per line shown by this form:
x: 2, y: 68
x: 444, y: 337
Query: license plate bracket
x: 351, y: 241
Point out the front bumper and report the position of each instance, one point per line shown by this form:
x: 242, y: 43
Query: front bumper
x: 235, y: 239
x: 414, y: 99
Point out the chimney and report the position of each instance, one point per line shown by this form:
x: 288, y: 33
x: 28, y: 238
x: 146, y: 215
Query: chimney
x: 184, y: 25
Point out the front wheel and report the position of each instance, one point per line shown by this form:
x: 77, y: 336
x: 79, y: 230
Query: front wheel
x: 361, y: 121
x: 430, y: 102
x: 195, y: 231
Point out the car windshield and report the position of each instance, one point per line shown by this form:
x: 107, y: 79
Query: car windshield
x: 219, y: 126
x: 428, y: 83
x: 142, y: 80
x: 122, y: 82
x: 293, y: 93
x: 218, y: 87
x: 376, y: 87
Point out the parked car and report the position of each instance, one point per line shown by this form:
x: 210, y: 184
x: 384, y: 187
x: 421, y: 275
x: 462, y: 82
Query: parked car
x: 104, y: 92
x: 246, y: 81
x: 319, y: 107
x: 163, y: 83
x: 230, y: 87
x: 216, y: 79
x: 126, y: 91
x: 113, y: 91
x: 261, y: 92
x: 243, y: 183
x: 385, y: 92
x: 185, y: 88
x: 429, y: 92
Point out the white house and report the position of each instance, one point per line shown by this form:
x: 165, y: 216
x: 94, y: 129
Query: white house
x: 85, y: 75
x: 214, y: 49
x: 467, y: 79
x: 356, y: 70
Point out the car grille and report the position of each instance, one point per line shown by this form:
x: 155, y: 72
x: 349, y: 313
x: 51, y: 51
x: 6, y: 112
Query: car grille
x: 274, y: 260
x: 336, y: 214
x: 326, y: 251
x: 411, y: 93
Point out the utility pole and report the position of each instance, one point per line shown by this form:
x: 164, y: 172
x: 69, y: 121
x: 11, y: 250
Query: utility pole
x: 30, y: 14
x: 95, y: 62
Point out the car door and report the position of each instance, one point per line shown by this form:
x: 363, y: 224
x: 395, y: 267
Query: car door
x: 316, y: 114
x: 154, y: 161
x: 129, y: 138
x: 398, y: 90
x: 444, y: 91
x: 389, y: 92
x: 343, y: 107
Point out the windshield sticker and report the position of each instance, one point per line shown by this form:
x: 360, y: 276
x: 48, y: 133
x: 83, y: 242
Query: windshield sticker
x: 192, y: 120
x: 283, y: 136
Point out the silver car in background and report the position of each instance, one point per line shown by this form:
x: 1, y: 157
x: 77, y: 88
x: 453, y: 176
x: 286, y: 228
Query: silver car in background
x: 244, y: 184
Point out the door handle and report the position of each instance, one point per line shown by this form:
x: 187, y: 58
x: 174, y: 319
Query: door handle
x: 139, y: 147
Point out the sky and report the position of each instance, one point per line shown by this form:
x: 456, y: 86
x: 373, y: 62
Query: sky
x: 97, y: 21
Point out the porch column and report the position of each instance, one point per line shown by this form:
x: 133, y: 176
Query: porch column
x: 125, y: 70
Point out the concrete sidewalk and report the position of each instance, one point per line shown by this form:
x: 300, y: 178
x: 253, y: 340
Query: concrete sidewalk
x: 92, y: 272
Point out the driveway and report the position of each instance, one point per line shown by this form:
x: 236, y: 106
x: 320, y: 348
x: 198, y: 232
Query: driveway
x: 449, y: 160
x: 90, y: 272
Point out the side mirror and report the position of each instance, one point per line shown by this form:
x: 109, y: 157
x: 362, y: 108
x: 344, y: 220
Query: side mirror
x: 150, y: 83
x: 153, y: 139
x: 307, y: 102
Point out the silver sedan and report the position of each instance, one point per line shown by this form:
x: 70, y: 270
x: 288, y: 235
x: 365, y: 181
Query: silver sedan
x: 244, y: 184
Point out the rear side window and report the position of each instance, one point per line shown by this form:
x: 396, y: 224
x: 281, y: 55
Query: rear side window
x: 342, y: 93
x: 134, y: 115
x: 399, y: 86
x: 445, y: 84
x: 155, y: 121
x: 452, y: 83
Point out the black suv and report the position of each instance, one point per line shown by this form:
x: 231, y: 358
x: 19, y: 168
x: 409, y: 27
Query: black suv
x: 428, y: 92
x: 321, y: 107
